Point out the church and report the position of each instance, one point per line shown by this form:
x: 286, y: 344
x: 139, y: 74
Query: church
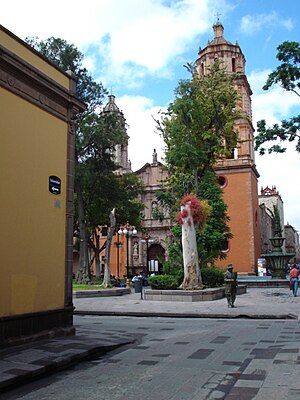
x: 237, y: 176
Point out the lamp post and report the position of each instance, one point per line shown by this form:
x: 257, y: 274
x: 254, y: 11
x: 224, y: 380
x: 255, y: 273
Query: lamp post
x: 147, y: 239
x: 127, y: 231
x: 118, y: 245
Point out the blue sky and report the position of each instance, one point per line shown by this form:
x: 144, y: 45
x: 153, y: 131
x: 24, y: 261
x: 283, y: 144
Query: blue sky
x: 137, y: 48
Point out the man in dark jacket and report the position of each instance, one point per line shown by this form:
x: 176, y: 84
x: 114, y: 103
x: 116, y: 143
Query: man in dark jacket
x: 230, y: 279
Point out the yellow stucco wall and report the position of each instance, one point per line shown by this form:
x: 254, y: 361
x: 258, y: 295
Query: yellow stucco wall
x: 32, y: 245
x: 27, y: 55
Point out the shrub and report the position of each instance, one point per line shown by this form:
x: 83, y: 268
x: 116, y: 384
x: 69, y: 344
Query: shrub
x: 163, y: 282
x: 174, y: 265
x: 212, y: 276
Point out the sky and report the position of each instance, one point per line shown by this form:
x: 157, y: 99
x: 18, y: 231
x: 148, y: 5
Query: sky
x: 138, y: 49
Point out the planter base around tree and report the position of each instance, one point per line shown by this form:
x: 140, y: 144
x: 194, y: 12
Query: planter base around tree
x: 189, y: 295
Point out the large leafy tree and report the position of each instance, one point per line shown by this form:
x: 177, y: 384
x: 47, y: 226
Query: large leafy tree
x: 97, y: 188
x: 287, y: 75
x: 198, y: 129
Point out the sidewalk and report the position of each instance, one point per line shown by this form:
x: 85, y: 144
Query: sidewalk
x: 262, y: 303
x: 21, y: 364
x: 25, y: 363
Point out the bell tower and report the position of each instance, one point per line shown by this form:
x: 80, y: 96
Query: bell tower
x: 121, y: 150
x: 237, y: 174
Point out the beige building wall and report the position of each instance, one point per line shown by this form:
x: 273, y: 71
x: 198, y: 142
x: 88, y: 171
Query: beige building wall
x: 33, y: 147
x: 38, y: 103
x: 16, y: 46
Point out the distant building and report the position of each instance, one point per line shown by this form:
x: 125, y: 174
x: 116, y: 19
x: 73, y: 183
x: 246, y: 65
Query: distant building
x: 292, y: 242
x: 268, y: 198
x: 266, y: 229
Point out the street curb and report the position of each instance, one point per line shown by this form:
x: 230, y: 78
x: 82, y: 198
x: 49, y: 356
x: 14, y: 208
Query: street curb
x: 186, y: 315
x: 79, y: 294
x: 56, y: 366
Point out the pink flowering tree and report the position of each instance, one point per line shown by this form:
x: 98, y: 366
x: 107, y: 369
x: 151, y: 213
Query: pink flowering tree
x: 193, y: 216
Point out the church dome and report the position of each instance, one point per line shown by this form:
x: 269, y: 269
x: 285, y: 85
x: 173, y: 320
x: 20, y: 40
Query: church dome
x: 111, y: 105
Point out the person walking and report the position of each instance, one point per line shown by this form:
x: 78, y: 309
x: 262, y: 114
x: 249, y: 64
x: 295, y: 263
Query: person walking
x: 294, y: 275
x: 230, y: 280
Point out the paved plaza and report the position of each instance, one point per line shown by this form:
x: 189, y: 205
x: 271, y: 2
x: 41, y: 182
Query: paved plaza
x: 248, y: 352
x: 256, y: 303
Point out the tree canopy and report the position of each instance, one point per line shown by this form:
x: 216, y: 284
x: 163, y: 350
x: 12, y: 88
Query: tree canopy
x: 198, y: 129
x: 97, y: 188
x: 287, y: 75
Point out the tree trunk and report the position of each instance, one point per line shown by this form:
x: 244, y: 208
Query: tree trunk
x: 192, y: 276
x: 97, y: 255
x: 110, y: 233
x: 83, y: 275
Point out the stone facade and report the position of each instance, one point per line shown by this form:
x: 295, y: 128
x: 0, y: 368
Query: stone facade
x: 157, y: 222
x: 268, y: 198
x: 292, y: 242
x: 265, y: 229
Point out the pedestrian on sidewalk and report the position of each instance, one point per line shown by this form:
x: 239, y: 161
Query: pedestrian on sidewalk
x: 230, y: 280
x: 294, y: 275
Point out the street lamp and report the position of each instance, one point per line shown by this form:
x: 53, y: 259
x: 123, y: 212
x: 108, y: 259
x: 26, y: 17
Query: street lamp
x: 118, y: 245
x: 147, y: 239
x: 127, y: 231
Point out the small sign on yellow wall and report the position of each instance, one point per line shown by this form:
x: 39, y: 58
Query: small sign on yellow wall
x: 54, y: 184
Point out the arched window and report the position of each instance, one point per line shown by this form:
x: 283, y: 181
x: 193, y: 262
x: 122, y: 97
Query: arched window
x: 225, y: 246
x: 222, y: 181
x: 233, y: 65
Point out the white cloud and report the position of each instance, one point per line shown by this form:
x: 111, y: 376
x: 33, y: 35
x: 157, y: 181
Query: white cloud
x: 132, y: 37
x: 277, y: 169
x: 272, y: 105
x: 153, y: 39
x: 150, y: 43
x: 251, y: 24
x: 139, y: 112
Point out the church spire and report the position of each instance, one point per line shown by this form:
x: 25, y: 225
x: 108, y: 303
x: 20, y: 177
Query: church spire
x: 121, y: 149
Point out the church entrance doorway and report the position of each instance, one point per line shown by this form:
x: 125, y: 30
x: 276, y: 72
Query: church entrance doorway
x: 156, y: 255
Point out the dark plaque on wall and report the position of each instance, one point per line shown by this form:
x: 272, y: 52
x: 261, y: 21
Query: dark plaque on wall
x: 54, y: 184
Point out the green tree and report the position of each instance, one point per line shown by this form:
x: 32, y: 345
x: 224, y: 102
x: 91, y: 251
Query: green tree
x: 97, y: 188
x: 216, y: 232
x: 287, y: 75
x: 198, y: 129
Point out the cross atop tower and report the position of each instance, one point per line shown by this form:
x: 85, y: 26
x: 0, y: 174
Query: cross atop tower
x: 218, y: 15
